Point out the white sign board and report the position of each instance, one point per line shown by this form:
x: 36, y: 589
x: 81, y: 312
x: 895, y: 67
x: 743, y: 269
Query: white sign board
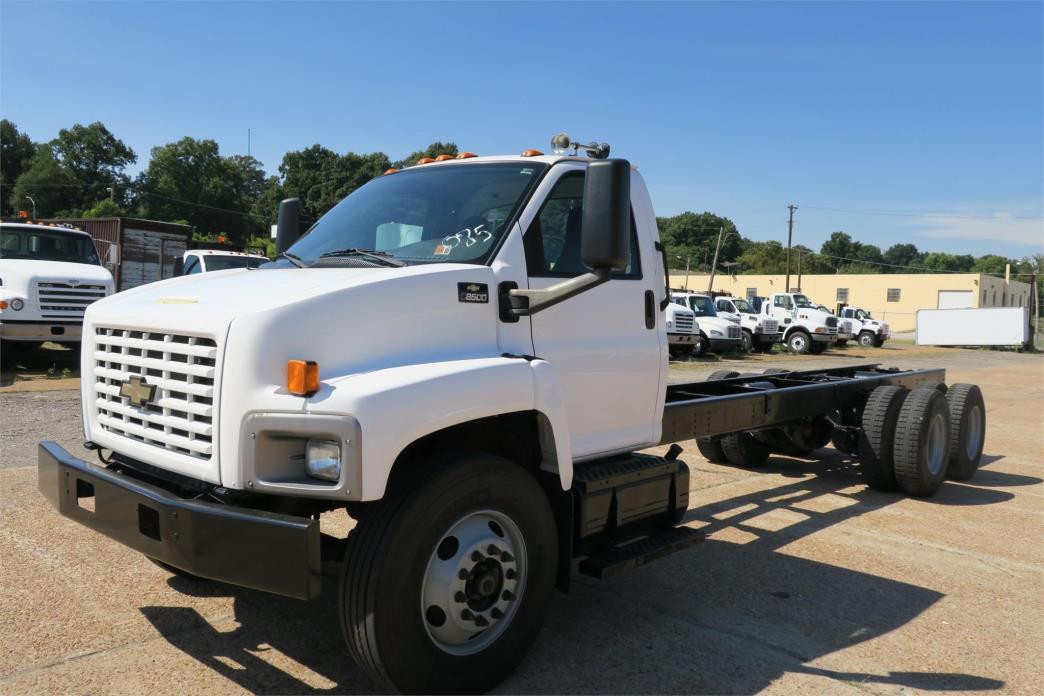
x: 987, y: 326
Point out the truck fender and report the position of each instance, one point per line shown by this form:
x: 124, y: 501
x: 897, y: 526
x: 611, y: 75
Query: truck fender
x: 554, y: 424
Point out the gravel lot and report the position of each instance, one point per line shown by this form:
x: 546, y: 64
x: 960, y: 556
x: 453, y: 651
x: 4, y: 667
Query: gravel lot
x: 808, y: 581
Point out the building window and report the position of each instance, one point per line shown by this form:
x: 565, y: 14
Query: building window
x: 894, y: 294
x: 842, y: 294
x: 983, y: 298
x: 794, y: 290
x: 752, y: 293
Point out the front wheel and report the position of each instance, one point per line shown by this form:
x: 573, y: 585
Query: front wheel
x: 445, y: 585
x: 799, y: 342
x: 867, y: 340
x: 700, y: 347
x: 746, y: 341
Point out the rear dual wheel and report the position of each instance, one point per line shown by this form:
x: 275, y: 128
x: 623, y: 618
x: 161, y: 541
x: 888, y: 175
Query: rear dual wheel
x: 922, y: 442
x: 967, y: 430
x: 710, y: 447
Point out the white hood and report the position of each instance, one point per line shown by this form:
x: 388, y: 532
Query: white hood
x: 24, y: 272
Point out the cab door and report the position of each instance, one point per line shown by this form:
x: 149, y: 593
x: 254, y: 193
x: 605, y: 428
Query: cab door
x: 606, y: 344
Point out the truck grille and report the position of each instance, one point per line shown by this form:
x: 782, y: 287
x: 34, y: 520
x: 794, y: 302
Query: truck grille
x: 770, y: 326
x: 733, y: 331
x: 683, y: 323
x: 180, y: 415
x: 847, y: 326
x: 831, y: 322
x: 64, y: 300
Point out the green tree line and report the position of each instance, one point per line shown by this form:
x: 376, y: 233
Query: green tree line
x: 83, y: 172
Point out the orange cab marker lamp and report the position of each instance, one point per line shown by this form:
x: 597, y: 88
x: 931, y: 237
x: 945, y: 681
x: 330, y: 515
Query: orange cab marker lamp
x: 3, y: 304
x: 390, y: 171
x: 302, y: 377
x: 443, y: 158
x: 466, y: 155
x: 532, y: 153
x: 425, y: 160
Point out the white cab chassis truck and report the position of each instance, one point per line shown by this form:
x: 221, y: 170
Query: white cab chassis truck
x: 870, y: 332
x: 682, y: 330
x: 207, y: 260
x: 465, y: 356
x: 806, y: 327
x: 760, y: 332
x: 716, y: 334
x: 49, y: 274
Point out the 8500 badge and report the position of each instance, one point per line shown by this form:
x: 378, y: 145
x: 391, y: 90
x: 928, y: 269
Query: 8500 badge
x: 473, y: 292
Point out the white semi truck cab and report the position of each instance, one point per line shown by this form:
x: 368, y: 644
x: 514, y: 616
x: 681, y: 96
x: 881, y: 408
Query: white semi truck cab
x: 682, y: 330
x: 760, y: 332
x: 806, y: 327
x: 49, y: 275
x: 206, y: 260
x: 717, y: 334
x: 466, y: 357
x: 870, y: 332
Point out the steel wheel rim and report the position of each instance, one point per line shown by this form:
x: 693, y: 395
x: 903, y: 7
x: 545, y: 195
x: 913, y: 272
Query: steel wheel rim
x: 866, y: 340
x: 974, y: 430
x: 798, y: 342
x: 474, y: 582
x: 936, y: 443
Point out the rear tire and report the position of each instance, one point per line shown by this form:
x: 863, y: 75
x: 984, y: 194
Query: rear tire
x: 743, y: 450
x: 711, y: 450
x: 798, y: 342
x: 967, y: 430
x: 877, y: 440
x: 922, y: 440
x: 417, y: 576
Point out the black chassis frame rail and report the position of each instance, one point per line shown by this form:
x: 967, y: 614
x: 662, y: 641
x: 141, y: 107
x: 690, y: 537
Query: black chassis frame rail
x: 705, y: 409
x: 250, y: 548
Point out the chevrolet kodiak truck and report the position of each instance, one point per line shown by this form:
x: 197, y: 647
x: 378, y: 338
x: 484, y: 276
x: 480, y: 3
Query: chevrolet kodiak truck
x: 49, y: 274
x: 466, y: 356
x: 870, y: 332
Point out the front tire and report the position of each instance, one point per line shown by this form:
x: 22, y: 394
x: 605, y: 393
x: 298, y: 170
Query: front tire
x: 700, y: 347
x: 445, y: 585
x: 867, y: 340
x: 799, y: 342
x: 746, y: 341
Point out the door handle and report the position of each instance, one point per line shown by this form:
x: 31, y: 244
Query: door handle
x: 650, y: 310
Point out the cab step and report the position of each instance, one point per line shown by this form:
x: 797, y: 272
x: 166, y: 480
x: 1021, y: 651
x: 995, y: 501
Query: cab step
x: 615, y: 560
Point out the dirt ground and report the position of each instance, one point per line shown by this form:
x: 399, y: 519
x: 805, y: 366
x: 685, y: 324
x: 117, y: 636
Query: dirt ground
x: 808, y: 582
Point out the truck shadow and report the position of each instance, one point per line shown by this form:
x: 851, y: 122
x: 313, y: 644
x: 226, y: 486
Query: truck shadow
x: 48, y: 361
x: 732, y: 615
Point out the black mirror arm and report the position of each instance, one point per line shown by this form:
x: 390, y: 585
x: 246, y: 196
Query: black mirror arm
x: 528, y: 302
x: 666, y: 276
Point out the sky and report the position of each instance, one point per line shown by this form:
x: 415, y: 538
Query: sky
x: 893, y: 121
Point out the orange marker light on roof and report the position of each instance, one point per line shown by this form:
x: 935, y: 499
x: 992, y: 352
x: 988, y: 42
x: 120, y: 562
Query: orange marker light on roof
x: 466, y: 155
x: 392, y: 170
x: 443, y: 158
x: 532, y: 153
x: 425, y: 160
x: 302, y: 377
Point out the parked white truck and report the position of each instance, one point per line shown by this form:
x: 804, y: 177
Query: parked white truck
x: 806, y: 327
x: 870, y: 332
x: 716, y: 334
x: 682, y: 330
x: 49, y: 274
x: 760, y: 332
x: 206, y: 260
x: 473, y: 395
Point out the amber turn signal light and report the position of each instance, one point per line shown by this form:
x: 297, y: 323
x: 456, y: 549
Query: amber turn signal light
x: 390, y: 171
x: 302, y: 377
x: 425, y: 160
x: 466, y: 155
x: 443, y: 158
x: 532, y: 153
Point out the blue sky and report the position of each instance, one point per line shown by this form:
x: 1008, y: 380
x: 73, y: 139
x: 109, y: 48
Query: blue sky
x: 934, y: 109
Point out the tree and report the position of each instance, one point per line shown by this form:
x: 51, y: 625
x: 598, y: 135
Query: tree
x: 48, y: 183
x: 693, y: 236
x: 766, y: 257
x: 899, y: 255
x: 433, y: 150
x: 104, y: 208
x: 94, y: 158
x: 939, y: 261
x: 992, y: 264
x: 189, y: 179
x: 16, y: 150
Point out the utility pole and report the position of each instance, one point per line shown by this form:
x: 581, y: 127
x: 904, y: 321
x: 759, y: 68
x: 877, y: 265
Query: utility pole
x: 790, y: 239
x: 248, y: 142
x: 800, y: 255
x: 112, y: 191
x: 714, y: 264
x: 687, y: 259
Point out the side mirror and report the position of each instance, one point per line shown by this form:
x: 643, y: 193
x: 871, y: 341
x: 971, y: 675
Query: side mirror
x: 605, y: 234
x: 288, y: 226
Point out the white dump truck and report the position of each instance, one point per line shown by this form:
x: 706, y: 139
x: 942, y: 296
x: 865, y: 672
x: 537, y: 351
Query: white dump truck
x: 206, y: 260
x: 870, y: 332
x: 474, y: 395
x: 49, y: 274
x: 682, y: 330
x: 760, y: 332
x: 807, y: 328
x: 716, y: 334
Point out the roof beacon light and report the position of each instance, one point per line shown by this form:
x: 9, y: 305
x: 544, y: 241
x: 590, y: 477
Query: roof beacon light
x: 562, y: 142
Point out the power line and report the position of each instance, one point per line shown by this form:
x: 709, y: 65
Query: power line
x: 939, y: 216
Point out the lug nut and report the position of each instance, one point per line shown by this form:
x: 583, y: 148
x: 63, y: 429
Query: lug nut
x: 496, y: 613
x: 467, y: 615
x: 510, y: 573
x: 492, y: 550
x: 508, y: 596
x: 506, y: 557
x: 459, y: 597
x: 463, y: 574
x: 481, y: 621
x: 476, y: 556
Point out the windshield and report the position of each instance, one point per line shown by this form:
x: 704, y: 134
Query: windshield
x: 223, y: 263
x: 702, y: 306
x: 804, y: 302
x: 47, y: 245
x: 743, y: 306
x: 451, y: 213
x: 861, y: 315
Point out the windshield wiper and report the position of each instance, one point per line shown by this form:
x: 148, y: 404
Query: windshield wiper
x: 378, y: 256
x: 292, y: 258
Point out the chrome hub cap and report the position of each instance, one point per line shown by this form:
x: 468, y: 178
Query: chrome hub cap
x: 473, y: 582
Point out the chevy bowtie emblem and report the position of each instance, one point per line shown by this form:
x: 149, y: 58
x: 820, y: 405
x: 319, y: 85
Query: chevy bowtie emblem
x: 137, y: 392
x: 474, y: 287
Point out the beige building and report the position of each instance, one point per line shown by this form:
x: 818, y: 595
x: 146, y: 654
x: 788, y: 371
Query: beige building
x: 891, y: 297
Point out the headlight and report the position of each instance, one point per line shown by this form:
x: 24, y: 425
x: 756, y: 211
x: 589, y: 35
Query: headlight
x: 670, y: 324
x: 323, y: 459
x: 17, y: 304
x: 716, y: 333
